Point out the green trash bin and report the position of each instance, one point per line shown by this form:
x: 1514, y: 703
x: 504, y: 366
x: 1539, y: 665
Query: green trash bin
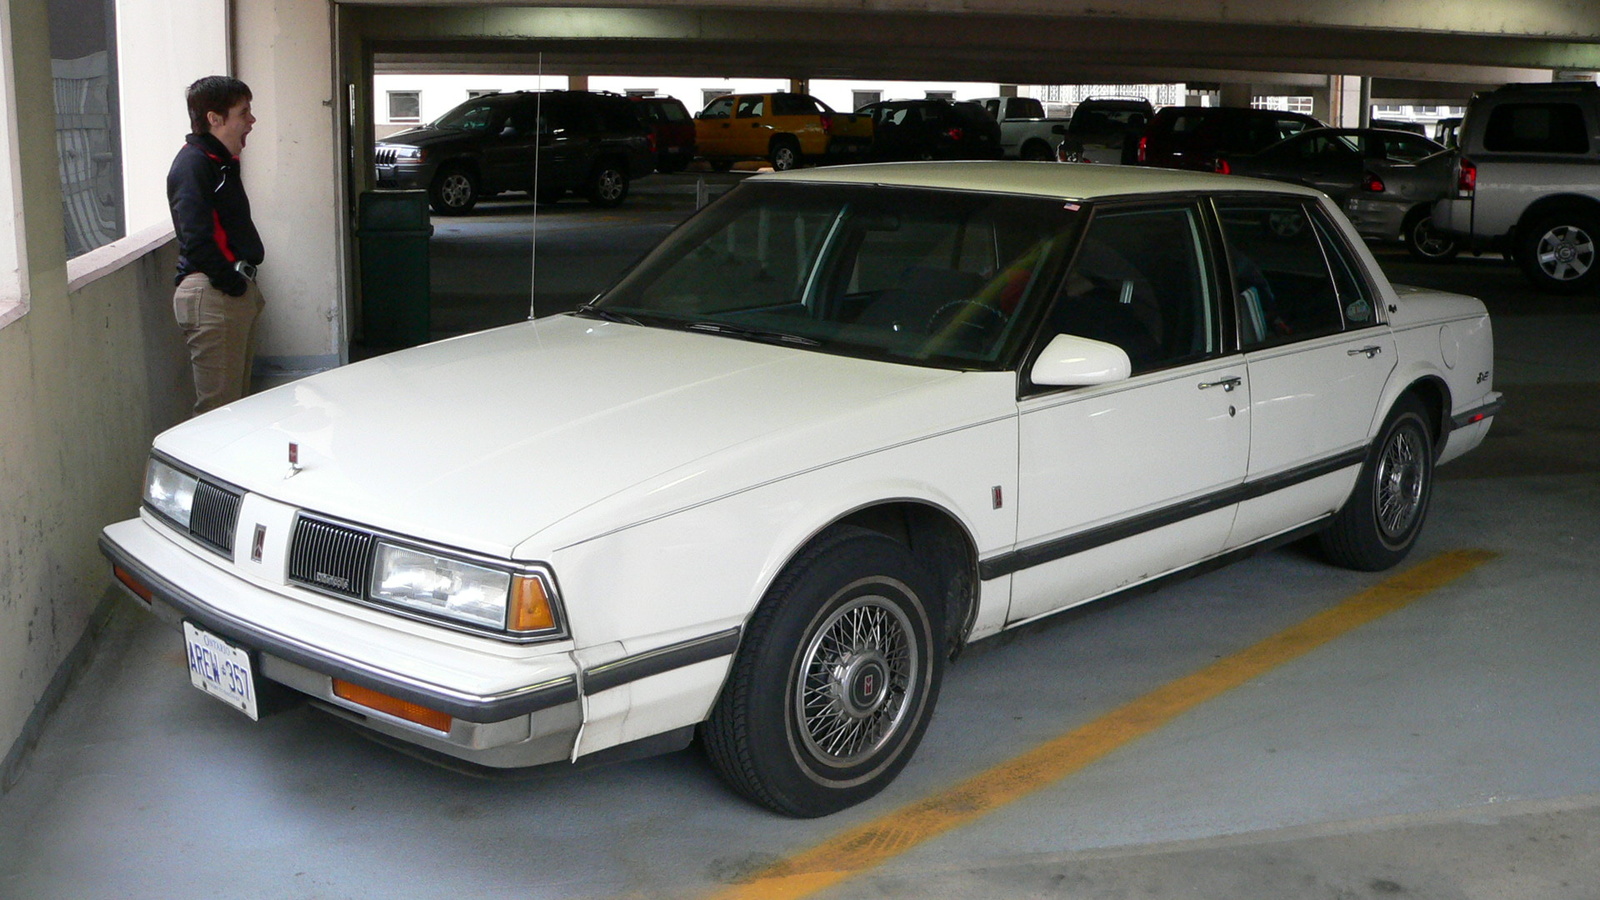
x: 396, y: 299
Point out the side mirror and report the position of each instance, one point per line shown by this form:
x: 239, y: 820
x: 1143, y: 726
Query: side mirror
x: 1072, y: 361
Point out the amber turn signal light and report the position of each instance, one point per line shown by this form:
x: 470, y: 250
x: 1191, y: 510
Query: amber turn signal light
x: 394, y: 706
x: 133, y: 584
x: 530, y: 605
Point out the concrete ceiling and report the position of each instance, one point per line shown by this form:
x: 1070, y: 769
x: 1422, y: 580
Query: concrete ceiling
x: 1416, y: 49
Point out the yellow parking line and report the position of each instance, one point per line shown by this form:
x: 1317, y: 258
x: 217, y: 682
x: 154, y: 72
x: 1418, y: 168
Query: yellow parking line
x: 874, y: 843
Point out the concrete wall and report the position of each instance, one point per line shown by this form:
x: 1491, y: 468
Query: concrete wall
x: 88, y: 374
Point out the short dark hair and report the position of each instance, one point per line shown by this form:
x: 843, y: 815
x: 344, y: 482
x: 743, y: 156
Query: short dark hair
x: 213, y: 93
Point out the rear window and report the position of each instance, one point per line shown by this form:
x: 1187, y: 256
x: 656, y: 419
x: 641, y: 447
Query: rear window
x: 1536, y: 128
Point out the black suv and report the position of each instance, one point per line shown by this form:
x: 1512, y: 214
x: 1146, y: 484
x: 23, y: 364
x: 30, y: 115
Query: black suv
x: 1193, y: 137
x: 575, y: 141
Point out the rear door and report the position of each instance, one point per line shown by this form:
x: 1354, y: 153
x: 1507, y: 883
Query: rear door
x: 1317, y: 354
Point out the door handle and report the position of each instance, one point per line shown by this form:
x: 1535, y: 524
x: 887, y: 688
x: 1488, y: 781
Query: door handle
x: 1227, y: 384
x: 1369, y: 351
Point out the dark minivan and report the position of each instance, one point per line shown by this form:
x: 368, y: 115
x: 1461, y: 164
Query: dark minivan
x: 931, y: 129
x: 591, y: 143
x: 1193, y: 137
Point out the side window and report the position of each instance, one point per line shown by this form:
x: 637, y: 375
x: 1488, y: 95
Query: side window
x: 1283, y: 288
x: 720, y: 108
x: 1536, y: 128
x: 1355, y: 297
x: 752, y: 107
x: 1139, y: 281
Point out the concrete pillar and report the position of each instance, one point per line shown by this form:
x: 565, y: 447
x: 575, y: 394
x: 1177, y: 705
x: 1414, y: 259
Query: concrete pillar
x: 799, y: 85
x: 292, y: 170
x: 1365, y: 120
x: 577, y: 82
x: 1008, y: 90
x: 1325, y: 99
x: 1239, y: 95
x: 1354, y: 97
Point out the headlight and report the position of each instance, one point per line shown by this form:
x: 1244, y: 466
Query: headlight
x: 477, y: 595
x: 402, y: 151
x: 169, y: 491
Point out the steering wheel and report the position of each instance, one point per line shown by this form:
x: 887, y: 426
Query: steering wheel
x: 975, y: 320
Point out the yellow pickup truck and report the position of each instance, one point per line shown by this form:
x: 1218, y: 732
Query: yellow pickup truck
x: 785, y: 128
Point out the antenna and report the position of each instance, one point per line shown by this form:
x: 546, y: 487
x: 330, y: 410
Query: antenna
x: 538, y: 145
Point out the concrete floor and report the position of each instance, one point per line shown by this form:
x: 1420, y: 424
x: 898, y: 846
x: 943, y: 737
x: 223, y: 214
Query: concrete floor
x: 1448, y: 750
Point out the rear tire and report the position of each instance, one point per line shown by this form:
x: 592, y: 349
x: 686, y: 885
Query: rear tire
x: 1426, y: 244
x: 608, y: 184
x: 836, y: 680
x: 785, y: 154
x: 1380, y: 522
x: 1558, y: 252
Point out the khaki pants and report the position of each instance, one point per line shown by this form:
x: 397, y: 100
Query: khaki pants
x: 221, y: 333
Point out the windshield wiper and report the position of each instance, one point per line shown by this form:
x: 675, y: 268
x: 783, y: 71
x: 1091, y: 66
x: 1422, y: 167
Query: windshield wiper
x: 753, y: 334
x: 590, y: 311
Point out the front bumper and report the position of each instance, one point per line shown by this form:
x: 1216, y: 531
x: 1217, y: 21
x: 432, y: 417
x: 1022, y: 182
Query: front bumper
x: 402, y: 176
x: 510, y: 706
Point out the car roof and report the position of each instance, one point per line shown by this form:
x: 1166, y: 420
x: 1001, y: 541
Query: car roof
x: 1042, y: 179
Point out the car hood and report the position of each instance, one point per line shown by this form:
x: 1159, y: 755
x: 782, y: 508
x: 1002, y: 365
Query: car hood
x: 565, y: 428
x: 424, y: 136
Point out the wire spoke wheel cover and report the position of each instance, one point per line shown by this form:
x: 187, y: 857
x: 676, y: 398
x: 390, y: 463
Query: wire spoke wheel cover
x: 1380, y: 522
x: 1399, y: 484
x: 835, y: 680
x: 855, y: 680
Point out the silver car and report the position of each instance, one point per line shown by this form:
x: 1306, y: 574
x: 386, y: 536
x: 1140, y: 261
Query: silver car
x: 1386, y: 181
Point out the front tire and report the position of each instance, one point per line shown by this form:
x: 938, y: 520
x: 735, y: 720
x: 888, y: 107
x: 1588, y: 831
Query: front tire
x: 1380, y: 522
x: 1558, y: 252
x: 836, y: 680
x: 454, y: 191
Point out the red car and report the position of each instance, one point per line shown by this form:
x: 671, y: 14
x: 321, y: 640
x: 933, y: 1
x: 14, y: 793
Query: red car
x: 670, y: 122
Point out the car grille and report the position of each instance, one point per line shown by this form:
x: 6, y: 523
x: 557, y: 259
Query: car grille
x: 329, y: 557
x: 384, y: 157
x: 214, y: 516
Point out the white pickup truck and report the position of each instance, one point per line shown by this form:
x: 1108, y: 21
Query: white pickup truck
x: 1025, y: 133
x: 1527, y: 182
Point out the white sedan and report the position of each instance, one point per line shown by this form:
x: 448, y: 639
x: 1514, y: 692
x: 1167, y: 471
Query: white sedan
x: 838, y: 425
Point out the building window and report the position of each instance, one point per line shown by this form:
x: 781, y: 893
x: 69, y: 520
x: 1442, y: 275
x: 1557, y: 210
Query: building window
x: 83, y: 65
x: 405, y: 106
x: 641, y: 92
x: 859, y: 99
x: 941, y: 95
x: 473, y: 95
x: 1285, y: 104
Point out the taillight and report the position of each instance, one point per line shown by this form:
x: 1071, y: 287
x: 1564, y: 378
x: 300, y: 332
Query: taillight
x: 1466, y: 178
x: 1222, y: 167
x: 955, y: 134
x: 650, y: 141
x: 827, y: 123
x: 1373, y: 183
x: 1144, y: 148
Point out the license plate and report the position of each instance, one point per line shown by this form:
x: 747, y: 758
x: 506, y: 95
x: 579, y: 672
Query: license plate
x: 221, y: 669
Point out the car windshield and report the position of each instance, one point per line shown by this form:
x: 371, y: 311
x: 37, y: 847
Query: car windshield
x: 928, y: 277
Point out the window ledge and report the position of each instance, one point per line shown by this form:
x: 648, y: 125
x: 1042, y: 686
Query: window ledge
x: 102, y: 261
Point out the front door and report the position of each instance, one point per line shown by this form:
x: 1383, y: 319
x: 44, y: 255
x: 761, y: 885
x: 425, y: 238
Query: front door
x: 1124, y: 482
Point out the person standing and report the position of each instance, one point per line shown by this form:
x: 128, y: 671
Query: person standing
x: 217, y: 302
